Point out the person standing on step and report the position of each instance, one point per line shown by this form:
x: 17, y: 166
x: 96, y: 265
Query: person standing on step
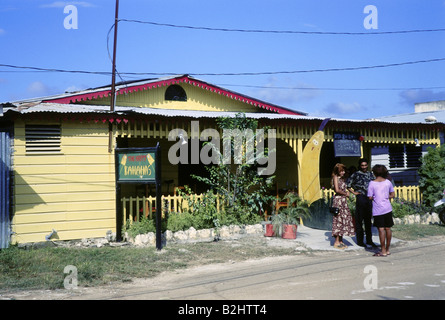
x: 358, y: 184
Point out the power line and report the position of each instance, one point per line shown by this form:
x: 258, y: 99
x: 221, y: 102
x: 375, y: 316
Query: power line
x: 32, y: 68
x: 321, y: 70
x: 328, y: 88
x: 39, y: 69
x: 282, y: 31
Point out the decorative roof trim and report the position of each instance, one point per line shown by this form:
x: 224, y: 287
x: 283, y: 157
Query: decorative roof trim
x: 150, y: 84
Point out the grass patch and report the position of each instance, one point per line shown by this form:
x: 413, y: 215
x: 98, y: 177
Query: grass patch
x: 43, y: 268
x: 417, y: 231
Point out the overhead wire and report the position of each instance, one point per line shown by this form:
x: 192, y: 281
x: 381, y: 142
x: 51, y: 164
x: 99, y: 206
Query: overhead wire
x: 229, y: 73
x: 373, y: 32
x: 129, y: 74
x: 329, y: 88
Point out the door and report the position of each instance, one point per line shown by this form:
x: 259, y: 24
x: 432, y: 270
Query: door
x: 5, y: 187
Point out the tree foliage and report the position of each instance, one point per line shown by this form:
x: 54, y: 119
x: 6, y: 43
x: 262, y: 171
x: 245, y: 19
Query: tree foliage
x: 432, y: 175
x: 245, y: 193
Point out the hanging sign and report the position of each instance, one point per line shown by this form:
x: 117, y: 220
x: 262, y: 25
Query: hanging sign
x: 136, y: 165
x: 139, y: 166
x: 347, y: 144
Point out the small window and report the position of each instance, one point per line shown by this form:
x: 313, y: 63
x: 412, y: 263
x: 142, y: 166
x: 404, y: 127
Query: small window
x: 43, y: 139
x: 175, y: 93
x: 413, y: 155
x: 404, y: 156
x: 396, y: 156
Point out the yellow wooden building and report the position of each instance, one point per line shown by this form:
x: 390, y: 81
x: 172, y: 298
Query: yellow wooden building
x: 63, y: 161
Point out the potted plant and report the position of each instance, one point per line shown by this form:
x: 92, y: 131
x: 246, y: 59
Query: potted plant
x: 285, y: 221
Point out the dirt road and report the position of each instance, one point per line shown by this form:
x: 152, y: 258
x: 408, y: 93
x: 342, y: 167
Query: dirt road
x: 414, y: 270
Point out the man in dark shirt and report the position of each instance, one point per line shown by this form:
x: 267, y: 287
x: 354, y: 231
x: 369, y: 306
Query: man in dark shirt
x: 359, y: 182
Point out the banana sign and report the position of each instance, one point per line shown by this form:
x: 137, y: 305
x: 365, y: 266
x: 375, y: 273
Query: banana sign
x: 310, y: 166
x: 136, y: 166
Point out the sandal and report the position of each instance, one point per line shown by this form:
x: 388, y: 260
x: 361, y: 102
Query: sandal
x: 379, y: 254
x: 340, y: 246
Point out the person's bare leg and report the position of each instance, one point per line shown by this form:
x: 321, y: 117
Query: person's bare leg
x: 382, y: 237
x: 388, y: 239
x: 337, y: 241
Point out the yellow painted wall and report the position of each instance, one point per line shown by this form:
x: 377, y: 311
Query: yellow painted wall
x: 72, y: 192
x: 197, y: 99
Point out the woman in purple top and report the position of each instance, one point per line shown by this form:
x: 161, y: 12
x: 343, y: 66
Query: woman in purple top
x: 380, y: 191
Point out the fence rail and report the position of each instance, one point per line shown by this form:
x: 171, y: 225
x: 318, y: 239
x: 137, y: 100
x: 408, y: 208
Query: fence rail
x: 133, y: 208
x: 409, y: 193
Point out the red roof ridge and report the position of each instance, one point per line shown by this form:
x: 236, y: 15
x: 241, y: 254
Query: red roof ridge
x: 148, y: 84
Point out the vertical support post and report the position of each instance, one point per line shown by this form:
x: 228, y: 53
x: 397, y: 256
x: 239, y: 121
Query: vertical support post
x: 113, y: 80
x: 113, y: 71
x: 158, y: 198
x: 299, y: 162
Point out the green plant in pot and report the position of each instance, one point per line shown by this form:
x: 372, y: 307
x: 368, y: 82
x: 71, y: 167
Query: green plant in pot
x: 286, y: 220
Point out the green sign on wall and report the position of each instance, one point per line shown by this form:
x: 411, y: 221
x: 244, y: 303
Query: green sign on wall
x: 136, y: 166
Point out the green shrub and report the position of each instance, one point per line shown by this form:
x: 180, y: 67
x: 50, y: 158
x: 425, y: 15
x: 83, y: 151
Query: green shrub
x: 402, y: 208
x: 183, y: 221
x: 143, y: 226
x: 432, y: 175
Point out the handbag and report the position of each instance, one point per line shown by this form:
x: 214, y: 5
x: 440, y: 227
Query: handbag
x: 333, y: 210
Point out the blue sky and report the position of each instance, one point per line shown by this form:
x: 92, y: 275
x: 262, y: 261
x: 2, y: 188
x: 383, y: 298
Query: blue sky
x: 32, y: 34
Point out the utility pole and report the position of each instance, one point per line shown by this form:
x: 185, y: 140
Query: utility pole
x: 113, y: 80
x: 113, y: 77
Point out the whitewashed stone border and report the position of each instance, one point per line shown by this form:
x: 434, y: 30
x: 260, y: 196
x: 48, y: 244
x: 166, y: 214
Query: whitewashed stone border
x: 193, y: 235
x: 426, y: 218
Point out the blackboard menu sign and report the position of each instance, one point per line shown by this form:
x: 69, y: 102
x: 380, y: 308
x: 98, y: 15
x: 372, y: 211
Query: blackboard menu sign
x: 347, y: 144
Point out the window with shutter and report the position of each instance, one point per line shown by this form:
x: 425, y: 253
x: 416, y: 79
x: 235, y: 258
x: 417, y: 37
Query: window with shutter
x: 413, y: 155
x: 396, y: 156
x: 404, y: 156
x: 43, y: 139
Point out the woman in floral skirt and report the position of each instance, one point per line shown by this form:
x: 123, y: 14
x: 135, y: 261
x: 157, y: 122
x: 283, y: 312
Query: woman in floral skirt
x: 342, y: 224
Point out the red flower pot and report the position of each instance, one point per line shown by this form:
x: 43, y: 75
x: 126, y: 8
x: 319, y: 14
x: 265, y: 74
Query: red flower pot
x: 269, y: 231
x: 289, y: 231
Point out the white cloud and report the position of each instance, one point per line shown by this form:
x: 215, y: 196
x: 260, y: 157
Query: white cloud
x: 73, y: 88
x: 344, y: 109
x: 287, y: 94
x: 38, y: 89
x: 63, y: 4
x: 410, y: 97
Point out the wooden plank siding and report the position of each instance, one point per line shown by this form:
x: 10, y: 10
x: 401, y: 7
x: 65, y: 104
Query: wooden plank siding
x: 72, y: 192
